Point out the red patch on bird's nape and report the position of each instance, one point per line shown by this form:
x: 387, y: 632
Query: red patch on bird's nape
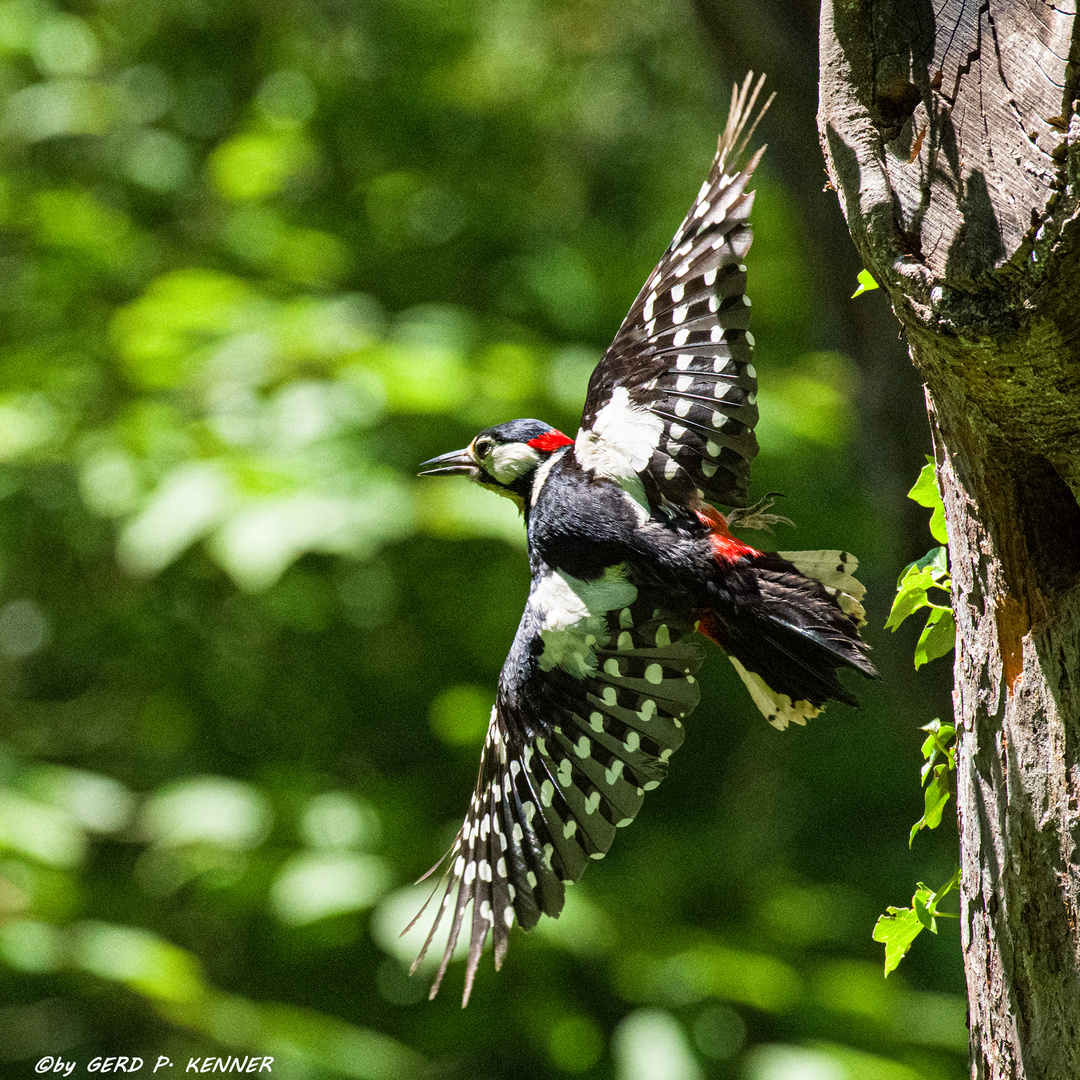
x: 550, y: 441
x: 725, y: 547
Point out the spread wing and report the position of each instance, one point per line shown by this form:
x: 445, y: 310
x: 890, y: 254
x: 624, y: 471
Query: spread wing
x: 591, y: 705
x: 674, y: 397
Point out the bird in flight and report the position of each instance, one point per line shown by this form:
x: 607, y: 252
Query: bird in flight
x: 630, y: 560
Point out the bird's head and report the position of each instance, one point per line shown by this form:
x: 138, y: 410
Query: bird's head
x: 502, y: 458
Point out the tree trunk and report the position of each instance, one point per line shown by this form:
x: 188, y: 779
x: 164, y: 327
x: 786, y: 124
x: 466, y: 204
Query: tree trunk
x: 951, y: 137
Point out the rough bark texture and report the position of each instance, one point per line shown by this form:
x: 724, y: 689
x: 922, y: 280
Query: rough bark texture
x: 951, y: 135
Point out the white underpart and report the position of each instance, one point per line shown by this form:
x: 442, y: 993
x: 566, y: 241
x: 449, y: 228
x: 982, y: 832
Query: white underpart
x: 620, y: 443
x: 572, y: 613
x: 778, y: 709
x: 507, y: 462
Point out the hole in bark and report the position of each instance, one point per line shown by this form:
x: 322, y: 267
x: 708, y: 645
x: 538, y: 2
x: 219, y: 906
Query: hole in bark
x: 896, y: 101
x: 1050, y: 518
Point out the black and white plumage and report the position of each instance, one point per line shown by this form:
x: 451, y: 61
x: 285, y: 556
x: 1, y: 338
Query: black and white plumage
x: 628, y: 560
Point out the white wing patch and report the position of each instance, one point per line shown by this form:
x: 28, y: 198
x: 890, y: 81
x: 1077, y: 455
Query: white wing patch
x: 574, y: 620
x: 620, y: 443
x: 778, y: 709
x: 683, y: 353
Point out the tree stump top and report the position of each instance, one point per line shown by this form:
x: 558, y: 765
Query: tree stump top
x: 961, y: 119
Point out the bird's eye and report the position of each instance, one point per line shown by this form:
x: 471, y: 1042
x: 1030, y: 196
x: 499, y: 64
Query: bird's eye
x: 481, y: 448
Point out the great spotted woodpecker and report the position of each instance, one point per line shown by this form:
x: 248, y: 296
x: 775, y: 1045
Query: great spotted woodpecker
x: 628, y: 559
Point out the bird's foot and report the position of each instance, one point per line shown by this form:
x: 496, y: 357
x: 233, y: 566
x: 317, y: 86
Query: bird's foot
x: 755, y: 517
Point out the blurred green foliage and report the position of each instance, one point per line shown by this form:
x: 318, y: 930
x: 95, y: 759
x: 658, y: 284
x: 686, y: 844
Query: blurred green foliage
x: 256, y: 262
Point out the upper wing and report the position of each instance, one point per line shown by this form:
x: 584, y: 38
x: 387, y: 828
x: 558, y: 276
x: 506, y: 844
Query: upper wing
x: 673, y: 398
x: 590, y: 707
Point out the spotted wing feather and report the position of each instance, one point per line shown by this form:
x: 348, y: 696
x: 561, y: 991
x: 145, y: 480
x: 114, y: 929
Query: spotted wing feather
x: 559, y: 776
x: 836, y: 571
x: 684, y: 351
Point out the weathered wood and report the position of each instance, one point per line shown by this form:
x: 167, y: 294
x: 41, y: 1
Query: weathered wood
x: 951, y: 135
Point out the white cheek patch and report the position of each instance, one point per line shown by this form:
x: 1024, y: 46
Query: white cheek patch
x: 620, y: 443
x: 507, y: 463
x: 573, y: 617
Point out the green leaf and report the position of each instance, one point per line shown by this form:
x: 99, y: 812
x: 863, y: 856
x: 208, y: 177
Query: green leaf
x: 939, y: 738
x: 938, y: 636
x: 918, y: 578
x: 936, y: 560
x: 920, y: 903
x: 896, y: 930
x: 866, y: 283
x: 937, y: 525
x: 936, y: 796
x: 899, y: 927
x: 934, y: 799
x: 926, y: 493
x: 910, y: 594
x: 940, y: 742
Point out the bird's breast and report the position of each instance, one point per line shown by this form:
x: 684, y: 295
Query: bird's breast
x: 582, y: 523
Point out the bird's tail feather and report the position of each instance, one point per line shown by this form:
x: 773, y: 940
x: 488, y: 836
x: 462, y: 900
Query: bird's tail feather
x: 789, y: 623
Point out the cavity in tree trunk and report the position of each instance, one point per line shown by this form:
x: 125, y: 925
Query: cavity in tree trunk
x: 951, y: 135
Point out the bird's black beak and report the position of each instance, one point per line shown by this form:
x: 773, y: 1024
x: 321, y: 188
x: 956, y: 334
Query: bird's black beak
x: 456, y: 463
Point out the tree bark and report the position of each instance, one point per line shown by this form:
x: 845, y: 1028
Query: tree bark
x: 950, y: 133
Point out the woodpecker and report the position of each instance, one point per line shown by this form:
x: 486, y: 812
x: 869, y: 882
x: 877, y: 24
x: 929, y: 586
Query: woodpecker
x: 629, y: 560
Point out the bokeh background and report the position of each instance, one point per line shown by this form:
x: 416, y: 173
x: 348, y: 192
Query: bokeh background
x: 259, y: 260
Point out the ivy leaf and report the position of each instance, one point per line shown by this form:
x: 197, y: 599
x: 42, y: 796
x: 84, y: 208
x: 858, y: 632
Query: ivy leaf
x: 934, y: 799
x: 896, y: 930
x: 918, y: 578
x: 937, y: 525
x: 899, y: 927
x: 925, y: 493
x: 936, y: 560
x: 920, y: 904
x: 938, y: 637
x: 910, y: 594
x: 926, y: 901
x: 939, y: 740
x: 936, y: 796
x: 866, y: 283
